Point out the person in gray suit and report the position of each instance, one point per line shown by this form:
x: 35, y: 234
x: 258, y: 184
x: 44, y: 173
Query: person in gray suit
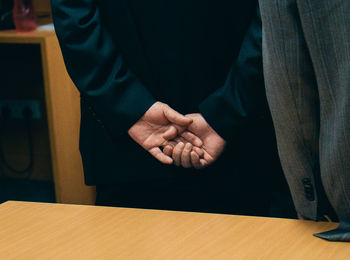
x: 306, y: 57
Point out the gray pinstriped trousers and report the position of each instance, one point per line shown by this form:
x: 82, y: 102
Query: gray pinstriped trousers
x: 306, y: 53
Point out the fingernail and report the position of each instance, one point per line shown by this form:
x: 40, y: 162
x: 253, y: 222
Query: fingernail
x: 188, y: 147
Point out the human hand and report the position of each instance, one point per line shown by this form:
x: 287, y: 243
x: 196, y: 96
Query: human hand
x: 181, y: 148
x: 187, y: 156
x: 157, y: 126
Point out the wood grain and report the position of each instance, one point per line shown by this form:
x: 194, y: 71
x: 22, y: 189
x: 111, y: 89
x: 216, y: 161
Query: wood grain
x: 63, y: 110
x: 54, y: 231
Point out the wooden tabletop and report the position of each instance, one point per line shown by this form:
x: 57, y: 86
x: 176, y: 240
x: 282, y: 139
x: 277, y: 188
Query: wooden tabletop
x: 12, y: 36
x: 57, y: 231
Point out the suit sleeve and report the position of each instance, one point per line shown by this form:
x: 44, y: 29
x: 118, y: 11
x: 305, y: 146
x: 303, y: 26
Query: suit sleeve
x: 242, y: 97
x: 96, y: 67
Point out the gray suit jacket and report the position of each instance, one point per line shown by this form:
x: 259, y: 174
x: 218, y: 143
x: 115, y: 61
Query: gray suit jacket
x: 306, y: 54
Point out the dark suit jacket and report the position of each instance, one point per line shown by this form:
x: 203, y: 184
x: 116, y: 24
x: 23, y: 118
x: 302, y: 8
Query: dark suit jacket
x: 124, y: 55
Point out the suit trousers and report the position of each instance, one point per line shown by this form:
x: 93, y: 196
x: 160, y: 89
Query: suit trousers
x: 306, y: 55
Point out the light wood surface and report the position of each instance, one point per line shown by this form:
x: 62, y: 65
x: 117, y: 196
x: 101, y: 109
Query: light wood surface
x: 57, y: 231
x: 11, y: 36
x: 63, y: 116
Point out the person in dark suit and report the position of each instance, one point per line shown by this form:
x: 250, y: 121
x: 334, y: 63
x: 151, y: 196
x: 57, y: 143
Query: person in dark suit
x: 140, y: 66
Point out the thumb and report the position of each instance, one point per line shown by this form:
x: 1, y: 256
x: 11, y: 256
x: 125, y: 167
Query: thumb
x: 171, y: 133
x: 175, y: 117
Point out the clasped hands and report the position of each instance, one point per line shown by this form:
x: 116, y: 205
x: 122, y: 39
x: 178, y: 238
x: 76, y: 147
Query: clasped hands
x: 171, y: 137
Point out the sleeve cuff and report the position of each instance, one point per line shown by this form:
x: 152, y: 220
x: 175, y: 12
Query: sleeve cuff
x: 220, y: 119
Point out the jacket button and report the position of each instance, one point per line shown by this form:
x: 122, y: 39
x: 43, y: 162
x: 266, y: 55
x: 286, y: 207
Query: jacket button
x: 306, y: 181
x: 308, y: 189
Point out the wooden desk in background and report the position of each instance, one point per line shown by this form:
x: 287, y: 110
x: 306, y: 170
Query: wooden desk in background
x: 57, y: 231
x: 63, y: 116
